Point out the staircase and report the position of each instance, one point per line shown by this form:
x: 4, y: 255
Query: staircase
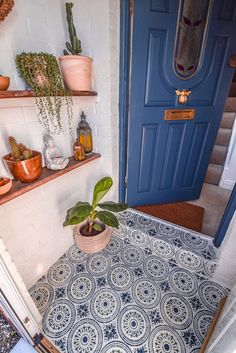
x: 220, y: 149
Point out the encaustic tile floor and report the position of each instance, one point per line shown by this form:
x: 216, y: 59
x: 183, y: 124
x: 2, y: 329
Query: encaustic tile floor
x: 148, y: 291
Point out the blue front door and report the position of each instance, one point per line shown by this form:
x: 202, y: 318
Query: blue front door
x: 174, y: 47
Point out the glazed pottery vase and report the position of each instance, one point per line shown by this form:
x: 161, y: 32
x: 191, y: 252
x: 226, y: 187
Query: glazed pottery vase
x: 91, y: 244
x: 25, y: 171
x: 4, y: 83
x: 77, y: 72
x: 5, y: 185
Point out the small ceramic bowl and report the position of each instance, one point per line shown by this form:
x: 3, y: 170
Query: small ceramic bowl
x: 4, y: 83
x: 5, y: 185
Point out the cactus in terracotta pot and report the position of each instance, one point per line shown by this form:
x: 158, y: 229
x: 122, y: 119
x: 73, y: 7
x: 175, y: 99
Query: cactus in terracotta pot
x: 92, y: 233
x: 74, y: 47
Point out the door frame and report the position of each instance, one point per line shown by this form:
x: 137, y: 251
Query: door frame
x: 124, y: 86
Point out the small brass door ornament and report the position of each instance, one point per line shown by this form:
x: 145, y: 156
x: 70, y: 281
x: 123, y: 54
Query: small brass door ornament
x: 183, y: 95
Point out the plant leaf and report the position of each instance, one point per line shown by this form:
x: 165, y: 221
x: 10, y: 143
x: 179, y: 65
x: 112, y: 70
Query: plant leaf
x: 65, y: 52
x: 69, y: 47
x: 108, y: 218
x: 100, y: 189
x: 77, y: 214
x: 97, y: 227
x: 113, y: 206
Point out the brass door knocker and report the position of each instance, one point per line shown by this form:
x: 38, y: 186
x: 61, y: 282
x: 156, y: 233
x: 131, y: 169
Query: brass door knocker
x: 182, y: 95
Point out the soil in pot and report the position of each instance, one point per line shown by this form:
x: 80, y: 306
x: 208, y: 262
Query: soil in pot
x: 84, y: 230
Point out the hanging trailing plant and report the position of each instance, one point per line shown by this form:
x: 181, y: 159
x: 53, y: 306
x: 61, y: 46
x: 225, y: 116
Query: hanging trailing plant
x: 42, y: 74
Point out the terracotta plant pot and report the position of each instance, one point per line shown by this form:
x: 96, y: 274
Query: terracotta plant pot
x: 76, y: 71
x: 5, y: 185
x: 25, y: 171
x: 91, y: 244
x: 4, y: 83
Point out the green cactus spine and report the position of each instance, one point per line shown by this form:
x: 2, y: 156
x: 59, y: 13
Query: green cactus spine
x: 15, y: 150
x: 74, y: 47
x: 27, y: 154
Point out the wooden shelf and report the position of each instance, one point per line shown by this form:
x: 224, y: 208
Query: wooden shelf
x: 46, y: 176
x: 25, y: 94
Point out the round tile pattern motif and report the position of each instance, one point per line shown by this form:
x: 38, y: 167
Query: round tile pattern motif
x: 114, y: 246
x: 75, y: 255
x: 138, y: 237
x: 105, y: 305
x: 146, y: 293
x: 183, y: 282
x: 58, y: 318
x: 176, y: 311
x: 189, y: 259
x: 211, y: 294
x: 133, y: 325
x: 156, y: 268
x: 162, y: 248
x: 120, y: 277
x: 98, y: 264
x: 132, y: 255
x: 144, y: 222
x: 202, y: 322
x: 116, y: 347
x: 85, y: 337
x: 167, y: 230
x: 60, y: 273
x: 42, y: 295
x: 194, y: 241
x: 164, y: 339
x: 81, y: 288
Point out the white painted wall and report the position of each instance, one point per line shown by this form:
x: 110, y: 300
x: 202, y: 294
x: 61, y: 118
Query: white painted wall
x: 31, y: 225
x: 228, y: 177
x: 225, y: 273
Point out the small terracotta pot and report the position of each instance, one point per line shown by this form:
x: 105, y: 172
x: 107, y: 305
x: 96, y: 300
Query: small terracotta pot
x: 25, y: 171
x: 76, y: 71
x: 5, y: 185
x: 93, y: 243
x: 4, y: 83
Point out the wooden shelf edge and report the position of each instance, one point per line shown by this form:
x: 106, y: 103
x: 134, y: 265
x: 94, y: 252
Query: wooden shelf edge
x: 25, y: 94
x: 47, y: 175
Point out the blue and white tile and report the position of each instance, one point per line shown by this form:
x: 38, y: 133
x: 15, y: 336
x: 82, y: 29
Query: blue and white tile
x: 150, y: 290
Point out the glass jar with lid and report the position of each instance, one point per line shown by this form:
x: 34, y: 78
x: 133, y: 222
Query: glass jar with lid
x: 84, y: 134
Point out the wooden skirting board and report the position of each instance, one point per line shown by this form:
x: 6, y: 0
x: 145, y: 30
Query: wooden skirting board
x: 43, y: 345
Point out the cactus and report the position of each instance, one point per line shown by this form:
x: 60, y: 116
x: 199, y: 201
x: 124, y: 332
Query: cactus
x: 15, y: 150
x: 19, y: 152
x: 74, y: 47
x: 27, y: 154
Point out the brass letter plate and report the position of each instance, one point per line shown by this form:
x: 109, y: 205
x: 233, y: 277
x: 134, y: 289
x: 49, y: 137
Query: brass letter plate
x: 179, y: 114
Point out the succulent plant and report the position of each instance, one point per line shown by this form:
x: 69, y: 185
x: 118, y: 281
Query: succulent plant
x: 74, y: 47
x: 19, y: 151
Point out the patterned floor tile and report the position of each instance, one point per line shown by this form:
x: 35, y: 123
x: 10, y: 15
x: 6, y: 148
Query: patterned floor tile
x: 150, y: 290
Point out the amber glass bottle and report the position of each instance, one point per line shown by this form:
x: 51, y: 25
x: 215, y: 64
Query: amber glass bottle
x: 78, y: 150
x: 84, y: 134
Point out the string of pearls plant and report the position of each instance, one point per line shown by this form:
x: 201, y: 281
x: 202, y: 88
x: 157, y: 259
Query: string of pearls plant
x: 42, y: 74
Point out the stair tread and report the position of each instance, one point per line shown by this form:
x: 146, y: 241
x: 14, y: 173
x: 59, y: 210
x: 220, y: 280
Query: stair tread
x: 230, y: 105
x: 227, y: 120
x: 223, y: 136
x: 219, y: 154
x: 214, y: 173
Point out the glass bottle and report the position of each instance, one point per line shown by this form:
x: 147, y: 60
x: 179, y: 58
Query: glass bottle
x: 78, y: 150
x: 84, y: 134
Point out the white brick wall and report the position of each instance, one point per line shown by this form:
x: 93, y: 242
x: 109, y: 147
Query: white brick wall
x: 31, y: 225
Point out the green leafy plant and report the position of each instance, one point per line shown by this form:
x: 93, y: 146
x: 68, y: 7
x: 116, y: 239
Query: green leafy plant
x: 42, y: 74
x: 84, y: 210
x: 74, y: 47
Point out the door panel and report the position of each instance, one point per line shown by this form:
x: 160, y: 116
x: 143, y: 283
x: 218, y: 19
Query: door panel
x: 167, y: 159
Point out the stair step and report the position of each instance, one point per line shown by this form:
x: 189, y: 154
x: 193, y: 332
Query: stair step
x: 214, y: 173
x: 219, y: 154
x: 232, y: 91
x: 230, y: 105
x: 227, y: 120
x: 223, y: 137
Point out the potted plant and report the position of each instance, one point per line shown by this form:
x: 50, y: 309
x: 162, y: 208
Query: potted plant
x: 23, y: 163
x: 76, y: 69
x: 42, y: 74
x: 5, y: 185
x: 4, y: 82
x: 93, y: 231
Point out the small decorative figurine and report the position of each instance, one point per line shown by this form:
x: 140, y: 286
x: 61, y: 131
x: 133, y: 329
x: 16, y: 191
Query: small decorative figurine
x: 78, y: 150
x: 84, y: 134
x: 53, y: 156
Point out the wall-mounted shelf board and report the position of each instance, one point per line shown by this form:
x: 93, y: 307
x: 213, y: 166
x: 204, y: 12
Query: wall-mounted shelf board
x: 25, y: 94
x: 47, y: 175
